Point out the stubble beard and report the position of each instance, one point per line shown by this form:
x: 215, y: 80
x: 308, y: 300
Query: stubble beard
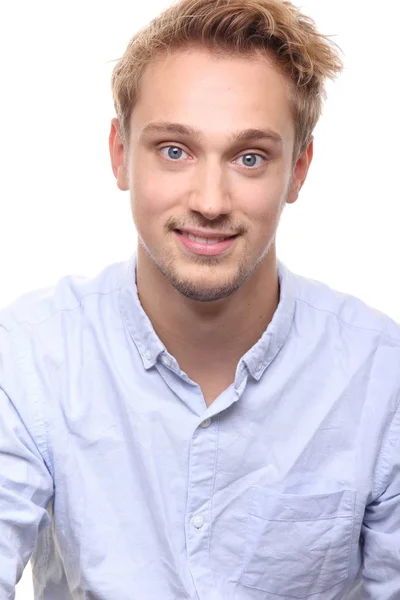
x: 201, y: 291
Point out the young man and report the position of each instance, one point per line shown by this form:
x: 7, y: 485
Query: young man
x: 199, y: 422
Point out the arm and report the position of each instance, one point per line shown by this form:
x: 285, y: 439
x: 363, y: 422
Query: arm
x: 26, y: 487
x: 381, y: 526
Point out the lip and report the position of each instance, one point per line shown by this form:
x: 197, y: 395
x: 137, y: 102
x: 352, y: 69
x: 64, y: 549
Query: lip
x: 205, y: 249
x: 212, y: 235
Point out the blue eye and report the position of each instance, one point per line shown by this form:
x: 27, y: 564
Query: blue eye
x: 250, y: 159
x: 174, y: 152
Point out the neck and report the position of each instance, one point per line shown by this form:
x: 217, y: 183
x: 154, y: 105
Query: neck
x: 203, y: 332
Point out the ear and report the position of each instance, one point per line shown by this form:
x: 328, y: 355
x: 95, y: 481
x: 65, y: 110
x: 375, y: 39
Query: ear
x: 300, y: 171
x: 117, y: 155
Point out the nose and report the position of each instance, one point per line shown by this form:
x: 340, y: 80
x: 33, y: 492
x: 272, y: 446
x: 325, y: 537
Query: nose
x: 210, y: 195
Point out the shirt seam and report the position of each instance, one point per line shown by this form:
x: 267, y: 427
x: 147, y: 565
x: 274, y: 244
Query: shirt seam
x: 212, y: 495
x: 32, y: 434
x: 380, y: 483
x: 349, y: 324
x: 35, y: 323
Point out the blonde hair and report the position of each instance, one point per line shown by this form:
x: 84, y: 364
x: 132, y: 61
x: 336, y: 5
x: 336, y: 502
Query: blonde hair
x: 275, y: 29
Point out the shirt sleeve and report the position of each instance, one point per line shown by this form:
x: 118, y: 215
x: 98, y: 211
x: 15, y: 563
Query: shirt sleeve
x: 381, y: 526
x: 26, y: 487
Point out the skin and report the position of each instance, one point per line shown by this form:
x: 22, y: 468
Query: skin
x: 208, y: 311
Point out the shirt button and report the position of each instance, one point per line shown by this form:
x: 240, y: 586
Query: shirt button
x: 259, y: 367
x: 148, y: 354
x: 198, y: 521
x: 166, y: 360
x: 205, y: 423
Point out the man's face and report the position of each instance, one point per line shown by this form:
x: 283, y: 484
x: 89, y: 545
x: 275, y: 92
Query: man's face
x: 208, y: 180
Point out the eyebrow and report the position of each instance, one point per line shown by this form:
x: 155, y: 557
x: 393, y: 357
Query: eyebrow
x: 247, y: 135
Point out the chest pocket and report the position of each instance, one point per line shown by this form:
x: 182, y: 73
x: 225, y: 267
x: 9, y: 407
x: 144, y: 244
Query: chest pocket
x: 297, y: 545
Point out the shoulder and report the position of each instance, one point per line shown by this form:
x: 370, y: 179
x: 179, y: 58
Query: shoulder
x: 322, y: 304
x: 40, y: 329
x: 68, y: 294
x: 356, y: 348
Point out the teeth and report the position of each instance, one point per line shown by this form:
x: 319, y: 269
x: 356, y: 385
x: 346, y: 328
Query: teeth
x: 201, y: 240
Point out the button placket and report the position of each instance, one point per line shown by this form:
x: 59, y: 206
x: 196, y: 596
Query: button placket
x: 202, y: 460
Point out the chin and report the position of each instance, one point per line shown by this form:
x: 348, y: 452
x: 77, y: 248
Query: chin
x: 204, y: 278
x: 206, y: 288
x: 204, y: 293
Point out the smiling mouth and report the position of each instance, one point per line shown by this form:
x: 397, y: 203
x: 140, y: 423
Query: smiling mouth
x: 205, y: 240
x: 206, y: 246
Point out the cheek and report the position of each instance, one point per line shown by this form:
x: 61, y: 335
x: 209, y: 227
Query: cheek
x: 154, y: 194
x: 265, y: 200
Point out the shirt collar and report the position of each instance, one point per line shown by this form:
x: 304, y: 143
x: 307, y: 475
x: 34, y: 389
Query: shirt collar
x: 137, y: 322
x: 264, y: 351
x: 256, y: 359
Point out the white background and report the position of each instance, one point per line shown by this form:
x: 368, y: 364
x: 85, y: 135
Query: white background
x: 61, y: 212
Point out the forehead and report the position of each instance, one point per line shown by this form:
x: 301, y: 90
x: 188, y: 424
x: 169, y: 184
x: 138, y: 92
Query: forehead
x: 214, y: 94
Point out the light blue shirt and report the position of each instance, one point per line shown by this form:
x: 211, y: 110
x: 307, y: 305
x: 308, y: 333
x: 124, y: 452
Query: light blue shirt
x: 125, y: 486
